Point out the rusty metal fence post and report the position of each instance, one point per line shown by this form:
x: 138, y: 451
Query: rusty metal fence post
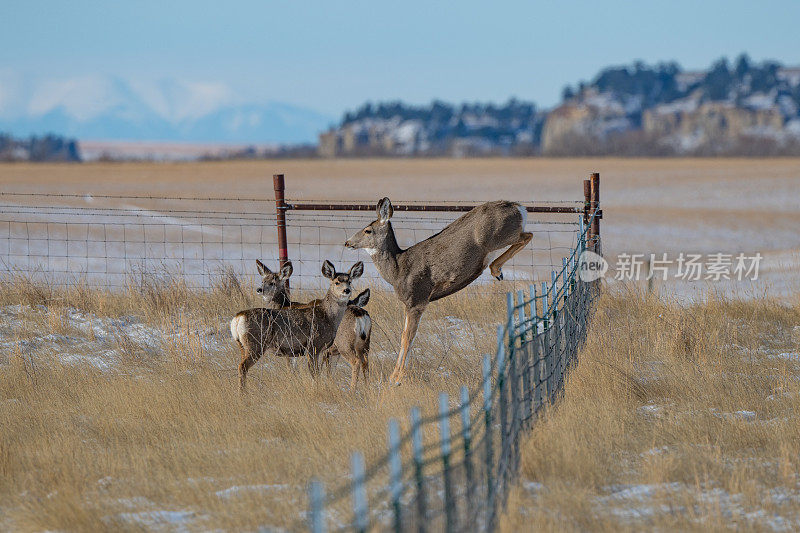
x: 595, y: 205
x: 587, y: 201
x: 280, y: 214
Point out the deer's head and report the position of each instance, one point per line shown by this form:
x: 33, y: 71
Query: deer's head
x: 273, y: 283
x: 340, y: 287
x: 376, y: 236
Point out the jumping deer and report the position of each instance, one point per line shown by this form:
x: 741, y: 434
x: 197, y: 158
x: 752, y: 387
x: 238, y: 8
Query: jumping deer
x: 444, y: 263
x: 353, y: 336
x: 294, y: 332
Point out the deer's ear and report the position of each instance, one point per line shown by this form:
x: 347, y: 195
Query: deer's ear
x: 286, y: 270
x: 385, y: 210
x: 362, y: 299
x: 328, y: 269
x: 356, y: 270
x: 262, y: 268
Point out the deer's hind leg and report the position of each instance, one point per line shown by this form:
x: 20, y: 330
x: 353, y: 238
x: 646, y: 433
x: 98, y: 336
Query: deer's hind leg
x: 364, y: 366
x: 249, y: 358
x: 354, y: 368
x: 496, y: 267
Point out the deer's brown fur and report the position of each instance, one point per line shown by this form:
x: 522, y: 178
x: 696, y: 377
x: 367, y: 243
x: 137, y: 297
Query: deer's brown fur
x: 354, y: 332
x: 352, y: 338
x: 294, y: 332
x: 444, y: 263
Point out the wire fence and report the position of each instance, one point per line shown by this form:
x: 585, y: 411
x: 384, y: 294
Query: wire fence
x: 460, y: 479
x: 106, y: 240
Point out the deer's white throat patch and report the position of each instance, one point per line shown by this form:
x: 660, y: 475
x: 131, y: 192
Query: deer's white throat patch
x: 371, y: 251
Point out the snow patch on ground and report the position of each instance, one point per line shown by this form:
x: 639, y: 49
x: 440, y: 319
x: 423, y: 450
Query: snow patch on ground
x: 650, y: 410
x: 88, y: 339
x: 636, y: 502
x: 160, y: 520
x: 238, y: 490
x: 786, y: 356
x: 738, y: 415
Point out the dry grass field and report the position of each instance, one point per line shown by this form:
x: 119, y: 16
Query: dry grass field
x: 676, y: 418
x: 120, y: 410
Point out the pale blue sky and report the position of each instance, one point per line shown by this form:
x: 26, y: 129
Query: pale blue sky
x: 334, y: 55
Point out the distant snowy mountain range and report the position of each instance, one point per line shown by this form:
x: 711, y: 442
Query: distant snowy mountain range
x: 111, y: 108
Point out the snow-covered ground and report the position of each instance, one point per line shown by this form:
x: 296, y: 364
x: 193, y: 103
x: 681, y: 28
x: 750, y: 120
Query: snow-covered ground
x: 85, y: 338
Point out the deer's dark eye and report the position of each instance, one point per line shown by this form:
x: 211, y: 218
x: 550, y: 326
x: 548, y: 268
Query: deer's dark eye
x: 367, y: 231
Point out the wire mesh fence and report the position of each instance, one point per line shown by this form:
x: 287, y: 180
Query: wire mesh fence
x: 460, y: 478
x: 103, y: 240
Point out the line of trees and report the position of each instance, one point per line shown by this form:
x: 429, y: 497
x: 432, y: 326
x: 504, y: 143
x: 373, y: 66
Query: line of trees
x: 45, y: 148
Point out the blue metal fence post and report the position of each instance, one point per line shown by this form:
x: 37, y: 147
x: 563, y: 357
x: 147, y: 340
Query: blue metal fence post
x: 360, y: 511
x: 419, y: 477
x: 466, y: 435
x: 510, y: 317
x: 546, y: 350
x: 525, y: 362
x: 395, y: 473
x: 488, y: 436
x: 444, y: 446
x: 503, y: 407
x: 316, y: 498
x: 536, y: 353
x: 555, y: 334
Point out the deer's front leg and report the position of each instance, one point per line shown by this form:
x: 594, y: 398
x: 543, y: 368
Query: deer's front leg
x: 410, y: 324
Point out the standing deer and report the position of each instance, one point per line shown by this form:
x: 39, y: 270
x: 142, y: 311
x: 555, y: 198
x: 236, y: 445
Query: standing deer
x: 273, y: 289
x: 293, y: 332
x: 353, y: 336
x: 444, y: 263
x: 352, y: 339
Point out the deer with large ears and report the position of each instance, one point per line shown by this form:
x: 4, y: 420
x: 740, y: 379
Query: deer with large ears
x: 444, y: 263
x: 293, y: 332
x: 355, y: 330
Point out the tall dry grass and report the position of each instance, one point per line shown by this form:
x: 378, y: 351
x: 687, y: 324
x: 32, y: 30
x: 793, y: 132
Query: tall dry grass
x: 163, y: 434
x: 676, y: 418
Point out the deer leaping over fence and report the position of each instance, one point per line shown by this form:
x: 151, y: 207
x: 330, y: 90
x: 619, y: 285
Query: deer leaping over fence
x: 444, y: 263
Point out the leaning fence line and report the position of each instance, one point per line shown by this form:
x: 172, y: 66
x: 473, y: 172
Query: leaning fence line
x: 461, y: 480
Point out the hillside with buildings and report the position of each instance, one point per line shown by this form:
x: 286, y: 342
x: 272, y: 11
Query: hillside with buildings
x: 739, y: 108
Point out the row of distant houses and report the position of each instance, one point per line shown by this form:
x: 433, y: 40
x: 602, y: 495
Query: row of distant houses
x: 588, y: 119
